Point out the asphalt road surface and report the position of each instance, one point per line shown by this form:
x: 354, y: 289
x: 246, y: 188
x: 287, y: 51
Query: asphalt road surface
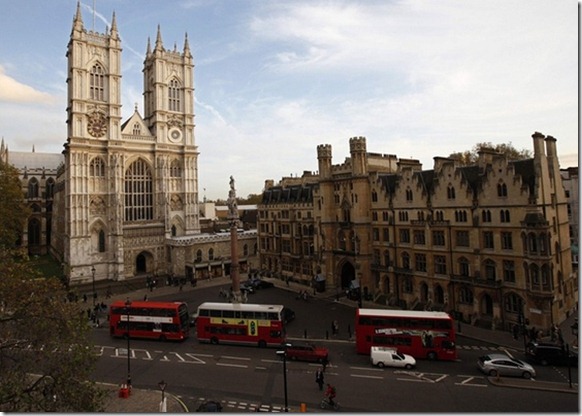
x: 249, y: 377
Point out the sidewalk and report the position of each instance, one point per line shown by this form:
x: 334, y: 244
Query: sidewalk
x: 140, y: 401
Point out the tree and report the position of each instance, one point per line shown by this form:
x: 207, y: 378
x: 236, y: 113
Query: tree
x: 471, y: 157
x: 46, y: 357
x: 13, y: 209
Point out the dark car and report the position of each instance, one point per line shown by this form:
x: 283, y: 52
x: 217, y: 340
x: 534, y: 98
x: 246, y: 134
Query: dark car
x: 210, y: 406
x: 307, y: 352
x: 545, y: 353
x: 288, y: 315
x: 256, y: 284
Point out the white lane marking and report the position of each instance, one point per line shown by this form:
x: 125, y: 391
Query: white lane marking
x: 366, y: 376
x: 229, y: 357
x: 232, y: 365
x: 196, y: 359
x: 366, y: 368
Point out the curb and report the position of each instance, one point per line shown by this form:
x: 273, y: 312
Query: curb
x: 531, y: 385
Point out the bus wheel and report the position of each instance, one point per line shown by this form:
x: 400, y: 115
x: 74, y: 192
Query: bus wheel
x: 262, y: 344
x: 214, y: 340
x: 431, y: 356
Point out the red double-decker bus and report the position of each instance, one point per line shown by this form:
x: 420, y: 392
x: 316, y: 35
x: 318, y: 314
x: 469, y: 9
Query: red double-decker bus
x: 240, y: 323
x: 422, y: 334
x: 158, y: 320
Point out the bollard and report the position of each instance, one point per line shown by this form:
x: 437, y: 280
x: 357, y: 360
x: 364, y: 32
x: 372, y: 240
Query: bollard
x: 303, y: 408
x: 305, y: 333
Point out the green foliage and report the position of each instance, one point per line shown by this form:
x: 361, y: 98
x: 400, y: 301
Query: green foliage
x: 13, y: 208
x: 46, y: 357
x: 470, y: 157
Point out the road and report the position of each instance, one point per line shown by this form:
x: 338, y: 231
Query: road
x: 249, y: 377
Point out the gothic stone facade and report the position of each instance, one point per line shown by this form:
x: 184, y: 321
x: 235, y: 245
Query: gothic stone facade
x: 123, y: 197
x: 486, y: 241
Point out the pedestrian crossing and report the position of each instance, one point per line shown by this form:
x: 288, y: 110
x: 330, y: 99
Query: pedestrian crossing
x: 484, y: 348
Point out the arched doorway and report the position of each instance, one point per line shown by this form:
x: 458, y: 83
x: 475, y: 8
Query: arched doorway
x: 486, y: 305
x: 439, y: 296
x: 424, y: 293
x: 348, y: 274
x: 142, y: 261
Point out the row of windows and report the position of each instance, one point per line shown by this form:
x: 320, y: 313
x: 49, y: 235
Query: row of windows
x: 34, y: 187
x: 451, y: 194
x: 257, y: 315
x: 97, y: 89
x: 398, y: 322
x: 97, y: 168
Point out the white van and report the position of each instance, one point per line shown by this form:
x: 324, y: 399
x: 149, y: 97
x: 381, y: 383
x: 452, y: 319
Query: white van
x: 390, y: 357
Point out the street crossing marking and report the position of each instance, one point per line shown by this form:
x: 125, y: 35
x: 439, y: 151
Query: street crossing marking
x: 469, y: 381
x: 366, y: 376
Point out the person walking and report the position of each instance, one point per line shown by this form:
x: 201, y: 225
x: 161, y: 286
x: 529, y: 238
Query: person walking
x: 319, y: 378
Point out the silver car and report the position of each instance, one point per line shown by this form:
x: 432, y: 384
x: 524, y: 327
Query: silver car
x: 504, y: 365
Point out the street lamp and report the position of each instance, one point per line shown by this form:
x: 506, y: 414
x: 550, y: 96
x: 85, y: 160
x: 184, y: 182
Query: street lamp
x: 94, y: 294
x: 283, y: 353
x: 162, y: 385
x: 356, y: 241
x: 127, y: 306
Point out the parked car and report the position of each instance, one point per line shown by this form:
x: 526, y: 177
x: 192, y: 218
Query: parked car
x: 288, y: 315
x: 210, y: 406
x: 545, y: 353
x: 504, y: 365
x: 256, y: 284
x: 390, y: 357
x: 307, y: 352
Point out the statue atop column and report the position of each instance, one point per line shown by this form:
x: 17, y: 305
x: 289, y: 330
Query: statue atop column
x: 231, y: 202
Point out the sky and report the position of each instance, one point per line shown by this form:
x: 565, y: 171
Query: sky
x: 275, y: 79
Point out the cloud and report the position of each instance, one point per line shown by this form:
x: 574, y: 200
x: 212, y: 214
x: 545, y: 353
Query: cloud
x: 12, y: 91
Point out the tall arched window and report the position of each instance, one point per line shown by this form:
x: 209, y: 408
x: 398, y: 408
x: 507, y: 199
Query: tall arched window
x: 451, y: 192
x: 33, y: 232
x: 50, y: 188
x: 97, y: 83
x: 501, y: 189
x: 210, y: 254
x: 174, y: 93
x: 175, y: 169
x: 32, y: 188
x: 139, y: 194
x: 97, y: 167
x: 490, y: 269
x: 101, y: 241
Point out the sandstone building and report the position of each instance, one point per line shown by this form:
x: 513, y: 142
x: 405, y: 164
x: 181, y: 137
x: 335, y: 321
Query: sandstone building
x: 486, y: 242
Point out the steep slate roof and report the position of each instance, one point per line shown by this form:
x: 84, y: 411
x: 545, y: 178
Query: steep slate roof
x: 289, y: 194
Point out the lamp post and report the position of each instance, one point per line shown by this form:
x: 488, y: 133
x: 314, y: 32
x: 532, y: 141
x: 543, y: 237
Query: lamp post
x: 356, y: 241
x: 127, y: 306
x: 283, y: 353
x: 94, y: 294
x: 162, y: 385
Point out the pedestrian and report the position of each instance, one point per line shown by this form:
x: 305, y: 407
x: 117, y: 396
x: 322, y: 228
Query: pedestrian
x: 334, y: 327
x: 515, y: 331
x: 319, y: 378
x: 324, y: 364
x: 145, y: 297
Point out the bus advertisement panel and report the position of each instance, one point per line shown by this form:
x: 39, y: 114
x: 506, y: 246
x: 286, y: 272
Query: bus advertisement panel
x: 157, y: 320
x: 240, y: 323
x: 421, y: 334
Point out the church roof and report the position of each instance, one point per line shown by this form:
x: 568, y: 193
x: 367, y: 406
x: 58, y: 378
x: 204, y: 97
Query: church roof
x: 35, y: 160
